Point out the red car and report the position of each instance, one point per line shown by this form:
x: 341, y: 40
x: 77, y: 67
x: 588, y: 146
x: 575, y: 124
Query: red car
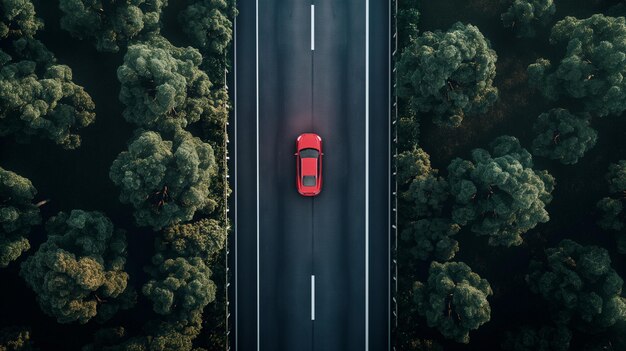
x: 309, y: 164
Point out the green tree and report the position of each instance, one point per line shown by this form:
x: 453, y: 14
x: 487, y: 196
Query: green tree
x: 499, y: 193
x: 37, y: 95
x: 16, y: 339
x: 562, y: 136
x: 111, y: 23
x: 78, y: 273
x: 449, y: 74
x: 160, y: 336
x: 163, y: 87
x: 432, y: 239
x: 611, y: 207
x: 18, y: 19
x: 208, y: 24
x: 524, y: 15
x: 180, y: 287
x: 580, y: 285
x: 17, y: 215
x: 427, y: 229
x: 204, y: 238
x: 167, y: 182
x: 547, y: 338
x: 592, y: 67
x: 407, y: 19
x: 453, y: 299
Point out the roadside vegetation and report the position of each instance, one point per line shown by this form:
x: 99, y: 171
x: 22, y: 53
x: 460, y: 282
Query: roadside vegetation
x: 113, y: 237
x: 511, y: 175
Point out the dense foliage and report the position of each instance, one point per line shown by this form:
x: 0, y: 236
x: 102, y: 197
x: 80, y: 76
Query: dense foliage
x: 580, y: 286
x: 18, y: 214
x: 208, y: 24
x: 16, y: 339
x: 592, y: 68
x: 163, y: 87
x: 37, y: 95
x: 428, y: 231
x: 18, y: 19
x: 563, y: 136
x: 78, y: 273
x: 523, y: 15
x: 499, y: 193
x: 453, y: 299
x: 111, y: 23
x: 449, y: 74
x: 167, y: 182
x: 611, y: 207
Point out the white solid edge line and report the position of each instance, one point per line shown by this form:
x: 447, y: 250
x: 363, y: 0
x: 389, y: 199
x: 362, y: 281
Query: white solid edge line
x: 389, y: 17
x: 235, y: 191
x: 312, y: 27
x: 367, y: 146
x: 258, y: 282
x: 313, y: 297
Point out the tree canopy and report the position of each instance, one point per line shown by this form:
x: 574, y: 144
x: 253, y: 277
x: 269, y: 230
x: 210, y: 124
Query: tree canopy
x: 18, y: 19
x: 432, y: 238
x: 164, y: 88
x: 453, y: 299
x: 203, y: 238
x: 18, y: 214
x: 181, y: 287
x: 563, y: 136
x: 449, y: 74
x: 546, y: 338
x: 593, y: 65
x: 167, y: 182
x: 580, y: 285
x: 611, y: 208
x: 208, y: 24
x: 524, y: 15
x: 407, y: 19
x: 16, y: 339
x: 37, y: 95
x: 499, y: 193
x: 78, y: 273
x: 428, y: 229
x: 111, y: 23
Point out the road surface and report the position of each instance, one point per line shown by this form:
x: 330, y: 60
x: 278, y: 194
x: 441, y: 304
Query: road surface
x: 312, y: 273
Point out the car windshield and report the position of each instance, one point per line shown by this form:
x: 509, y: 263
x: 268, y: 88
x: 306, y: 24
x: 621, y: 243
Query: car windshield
x: 308, y: 180
x: 309, y: 153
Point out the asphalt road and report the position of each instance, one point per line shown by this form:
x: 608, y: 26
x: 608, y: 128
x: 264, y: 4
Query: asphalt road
x: 283, y: 88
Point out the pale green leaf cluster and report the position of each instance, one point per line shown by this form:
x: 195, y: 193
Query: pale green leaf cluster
x: 208, y: 25
x: 592, y: 68
x: 453, y: 300
x: 78, y: 273
x: 563, y: 136
x: 523, y: 15
x: 111, y: 23
x: 612, y: 215
x: 18, y: 214
x: 499, y: 193
x: 37, y: 95
x: 449, y: 74
x: 580, y: 285
x: 163, y: 87
x: 166, y: 181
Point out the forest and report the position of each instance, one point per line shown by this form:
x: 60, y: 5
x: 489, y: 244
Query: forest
x: 511, y: 172
x: 113, y: 182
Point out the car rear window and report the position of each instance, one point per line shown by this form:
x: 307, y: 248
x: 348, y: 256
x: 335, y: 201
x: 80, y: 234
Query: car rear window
x: 308, y: 180
x: 309, y: 153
